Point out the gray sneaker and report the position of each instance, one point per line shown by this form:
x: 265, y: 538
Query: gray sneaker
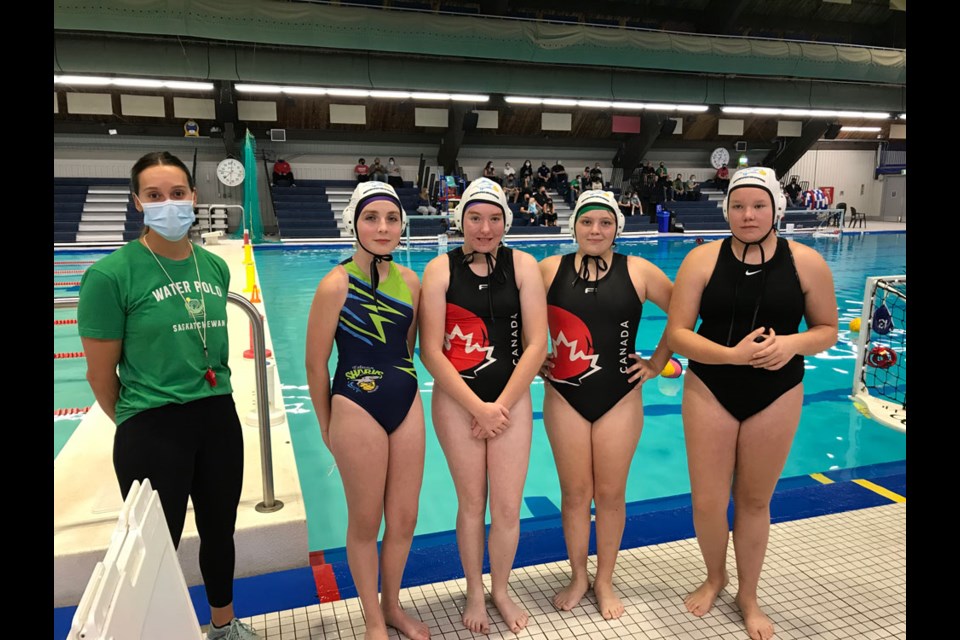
x: 236, y: 630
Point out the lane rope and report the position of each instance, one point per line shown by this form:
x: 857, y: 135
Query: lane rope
x: 70, y: 412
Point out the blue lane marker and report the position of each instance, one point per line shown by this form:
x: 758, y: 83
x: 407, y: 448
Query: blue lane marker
x: 266, y: 593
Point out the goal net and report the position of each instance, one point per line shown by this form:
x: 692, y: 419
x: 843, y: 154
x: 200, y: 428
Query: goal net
x: 879, y: 379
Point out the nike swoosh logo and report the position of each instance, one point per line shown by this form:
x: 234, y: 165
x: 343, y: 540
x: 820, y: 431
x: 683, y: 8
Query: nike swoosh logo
x: 752, y: 273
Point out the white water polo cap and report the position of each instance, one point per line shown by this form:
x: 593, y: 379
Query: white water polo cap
x: 592, y: 200
x: 763, y: 178
x: 364, y: 194
x: 483, y: 190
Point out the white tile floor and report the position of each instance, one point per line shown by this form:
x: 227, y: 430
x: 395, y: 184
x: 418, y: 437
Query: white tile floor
x: 830, y: 577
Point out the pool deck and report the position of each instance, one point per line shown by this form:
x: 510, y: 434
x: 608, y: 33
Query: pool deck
x: 87, y: 497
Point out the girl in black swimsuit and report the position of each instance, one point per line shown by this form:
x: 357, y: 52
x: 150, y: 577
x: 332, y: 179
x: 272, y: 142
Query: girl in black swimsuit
x: 592, y: 407
x: 483, y: 336
x: 743, y: 391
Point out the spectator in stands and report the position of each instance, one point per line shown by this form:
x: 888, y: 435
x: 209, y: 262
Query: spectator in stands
x: 585, y: 179
x: 543, y: 175
x: 393, y: 174
x: 648, y: 168
x: 679, y: 188
x: 661, y: 171
x: 573, y: 190
x: 794, y: 191
x: 636, y: 207
x: 361, y: 171
x: 624, y: 203
x: 169, y: 391
x: 596, y: 177
x: 541, y: 195
x: 533, y: 211
x: 510, y: 188
x: 526, y: 171
x: 722, y: 178
x: 508, y: 171
x: 692, y: 188
x: 378, y: 173
x: 425, y: 204
x: 663, y: 183
x: 558, y: 178
x: 283, y: 174
x: 549, y: 216
x: 490, y: 173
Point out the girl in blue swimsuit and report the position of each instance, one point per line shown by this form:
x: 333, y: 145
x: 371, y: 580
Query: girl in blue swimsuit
x: 592, y: 406
x: 371, y: 418
x: 743, y: 391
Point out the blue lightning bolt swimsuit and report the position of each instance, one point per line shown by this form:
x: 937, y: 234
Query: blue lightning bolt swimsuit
x: 374, y: 367
x: 598, y: 320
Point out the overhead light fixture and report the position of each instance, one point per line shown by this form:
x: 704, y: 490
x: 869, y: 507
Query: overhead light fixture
x: 903, y: 116
x: 870, y: 129
x: 427, y: 95
x: 112, y: 132
x: 811, y: 113
x: 606, y: 104
x: 594, y: 104
x: 137, y: 82
x: 522, y: 100
x: 402, y: 95
x: 468, y: 97
x: 258, y: 88
x: 134, y: 83
x: 90, y: 81
x: 305, y: 91
x: 348, y: 93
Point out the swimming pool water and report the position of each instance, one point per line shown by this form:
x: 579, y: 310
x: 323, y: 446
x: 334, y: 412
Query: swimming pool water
x: 832, y: 433
x: 70, y: 388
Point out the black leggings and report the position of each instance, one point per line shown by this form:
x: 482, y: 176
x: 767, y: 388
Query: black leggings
x: 196, y: 450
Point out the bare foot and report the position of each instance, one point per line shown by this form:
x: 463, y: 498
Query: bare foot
x: 398, y: 619
x: 475, y: 613
x: 375, y: 633
x: 571, y: 595
x: 608, y: 603
x: 515, y: 617
x: 701, y: 601
x: 758, y: 624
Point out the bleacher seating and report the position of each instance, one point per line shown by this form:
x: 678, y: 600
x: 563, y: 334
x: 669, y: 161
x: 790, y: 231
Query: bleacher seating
x: 701, y: 215
x: 93, y: 209
x: 312, y: 209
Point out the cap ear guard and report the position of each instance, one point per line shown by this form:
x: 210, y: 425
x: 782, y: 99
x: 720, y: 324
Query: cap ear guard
x: 482, y: 190
x: 596, y: 197
x: 366, y: 190
x: 761, y: 177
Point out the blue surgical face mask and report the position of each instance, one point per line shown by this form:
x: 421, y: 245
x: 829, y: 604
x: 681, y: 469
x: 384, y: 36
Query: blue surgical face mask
x: 172, y: 219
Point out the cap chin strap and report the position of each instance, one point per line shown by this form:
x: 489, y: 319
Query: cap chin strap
x: 763, y: 281
x: 600, y: 265
x: 493, y: 273
x: 374, y: 269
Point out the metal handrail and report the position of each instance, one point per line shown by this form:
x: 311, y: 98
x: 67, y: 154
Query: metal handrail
x: 270, y: 503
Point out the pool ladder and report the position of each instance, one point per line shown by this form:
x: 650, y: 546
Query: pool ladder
x: 270, y: 503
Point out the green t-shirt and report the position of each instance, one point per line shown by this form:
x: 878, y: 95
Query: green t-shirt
x: 126, y: 296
